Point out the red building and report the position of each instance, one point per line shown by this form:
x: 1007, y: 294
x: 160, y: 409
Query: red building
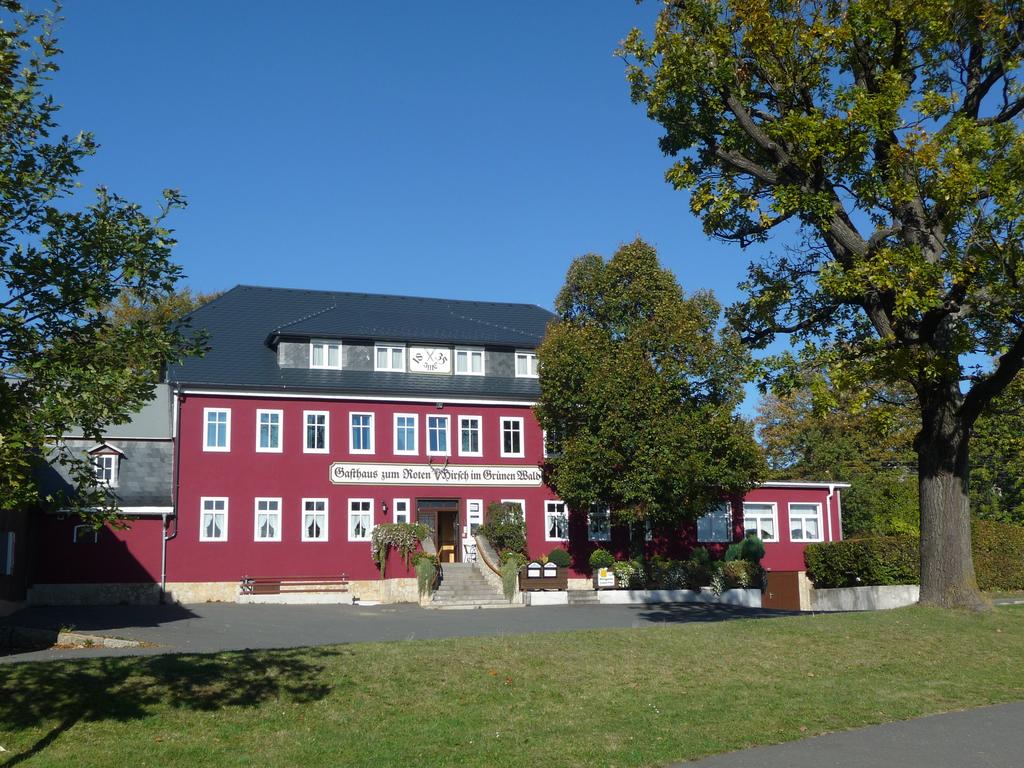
x: 318, y: 415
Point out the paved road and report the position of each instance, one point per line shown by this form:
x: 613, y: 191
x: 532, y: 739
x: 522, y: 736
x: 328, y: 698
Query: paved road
x: 210, y: 627
x: 990, y: 737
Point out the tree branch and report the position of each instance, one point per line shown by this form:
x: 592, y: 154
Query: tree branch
x: 1009, y: 365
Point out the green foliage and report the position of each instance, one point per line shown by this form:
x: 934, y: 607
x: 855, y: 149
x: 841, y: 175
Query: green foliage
x: 733, y: 552
x: 752, y: 549
x: 510, y: 568
x: 998, y: 550
x: 700, y: 556
x: 426, y: 573
x: 738, y: 574
x: 505, y: 528
x: 998, y: 555
x: 559, y: 557
x: 66, y: 364
x: 883, y: 560
x: 885, y: 138
x: 512, y: 556
x: 601, y: 558
x: 640, y: 384
x: 629, y: 574
x: 404, y: 537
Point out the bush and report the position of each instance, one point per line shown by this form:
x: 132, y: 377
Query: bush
x: 601, y: 558
x: 505, y: 528
x: 697, y: 572
x: 510, y: 576
x: 700, y: 556
x: 560, y: 558
x: 739, y: 574
x: 513, y: 557
x: 629, y: 574
x: 884, y: 560
x: 426, y: 571
x: 752, y: 549
x: 733, y: 552
x: 998, y: 555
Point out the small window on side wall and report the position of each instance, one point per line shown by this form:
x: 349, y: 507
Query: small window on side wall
x: 716, y: 525
x: 104, y: 467
x: 84, y: 534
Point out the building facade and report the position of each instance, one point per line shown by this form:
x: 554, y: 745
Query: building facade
x: 317, y: 415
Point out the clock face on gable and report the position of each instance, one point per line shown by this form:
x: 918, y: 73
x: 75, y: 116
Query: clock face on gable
x: 430, y: 360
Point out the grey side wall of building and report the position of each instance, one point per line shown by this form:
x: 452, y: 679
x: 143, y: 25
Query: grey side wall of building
x: 358, y: 356
x: 145, y: 472
x: 153, y: 421
x: 500, y: 362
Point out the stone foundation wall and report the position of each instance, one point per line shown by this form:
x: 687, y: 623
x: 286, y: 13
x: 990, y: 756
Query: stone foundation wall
x: 94, y: 594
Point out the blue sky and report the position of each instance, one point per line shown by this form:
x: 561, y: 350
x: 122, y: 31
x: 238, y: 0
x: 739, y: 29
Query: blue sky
x: 456, y: 149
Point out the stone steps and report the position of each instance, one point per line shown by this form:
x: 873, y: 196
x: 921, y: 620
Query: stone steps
x: 583, y: 597
x: 463, y: 586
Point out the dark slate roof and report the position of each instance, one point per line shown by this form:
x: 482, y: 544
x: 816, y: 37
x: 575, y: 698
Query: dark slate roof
x: 244, y: 323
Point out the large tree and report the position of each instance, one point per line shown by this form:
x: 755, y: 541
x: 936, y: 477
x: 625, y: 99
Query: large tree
x: 638, y: 391
x: 65, y: 362
x: 883, y: 139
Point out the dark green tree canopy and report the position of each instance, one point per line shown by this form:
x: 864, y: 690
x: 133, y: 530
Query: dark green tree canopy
x: 65, y: 362
x: 639, y: 387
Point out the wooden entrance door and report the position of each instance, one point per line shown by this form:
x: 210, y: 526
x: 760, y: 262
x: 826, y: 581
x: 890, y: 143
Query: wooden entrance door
x: 442, y: 517
x: 783, y: 591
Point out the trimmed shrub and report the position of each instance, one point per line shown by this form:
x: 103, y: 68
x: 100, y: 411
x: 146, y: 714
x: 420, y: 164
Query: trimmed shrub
x: 733, y: 552
x: 752, y: 549
x: 998, y: 555
x: 559, y: 557
x: 880, y: 561
x: 629, y: 574
x: 998, y: 550
x: 505, y: 528
x: 601, y: 558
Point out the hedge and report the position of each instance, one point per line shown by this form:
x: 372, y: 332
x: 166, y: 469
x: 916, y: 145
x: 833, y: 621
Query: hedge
x: 998, y: 559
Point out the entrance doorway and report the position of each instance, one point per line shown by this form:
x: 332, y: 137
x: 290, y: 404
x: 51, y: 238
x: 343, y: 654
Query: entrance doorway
x: 441, y: 516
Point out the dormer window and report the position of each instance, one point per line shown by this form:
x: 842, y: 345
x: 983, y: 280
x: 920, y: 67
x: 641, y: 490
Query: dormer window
x: 389, y: 357
x: 105, y: 461
x: 469, y: 362
x: 526, y: 365
x: 325, y: 354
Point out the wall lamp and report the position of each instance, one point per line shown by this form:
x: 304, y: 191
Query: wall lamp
x: 384, y: 507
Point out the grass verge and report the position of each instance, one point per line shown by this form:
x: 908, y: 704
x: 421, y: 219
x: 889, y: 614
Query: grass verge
x: 611, y: 697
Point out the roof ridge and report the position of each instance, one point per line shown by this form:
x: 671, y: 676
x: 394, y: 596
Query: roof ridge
x: 309, y: 316
x: 492, y: 325
x: 393, y: 296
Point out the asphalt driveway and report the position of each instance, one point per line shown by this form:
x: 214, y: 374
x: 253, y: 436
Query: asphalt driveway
x: 212, y: 627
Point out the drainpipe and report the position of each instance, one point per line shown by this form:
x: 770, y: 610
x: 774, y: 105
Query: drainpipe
x: 176, y: 459
x: 828, y: 507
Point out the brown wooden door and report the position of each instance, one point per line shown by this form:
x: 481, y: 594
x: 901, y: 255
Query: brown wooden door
x: 783, y: 592
x: 448, y: 536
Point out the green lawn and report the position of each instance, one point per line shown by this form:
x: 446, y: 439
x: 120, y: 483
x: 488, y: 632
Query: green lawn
x: 609, y: 698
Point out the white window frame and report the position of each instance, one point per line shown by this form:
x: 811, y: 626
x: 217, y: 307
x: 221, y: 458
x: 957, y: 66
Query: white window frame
x: 522, y: 437
x: 371, y: 429
x: 326, y: 344
x: 761, y: 515
x: 521, y: 503
x: 550, y: 510
x: 447, y: 434
x: 256, y: 517
x: 203, y: 511
x: 206, y: 431
x: 390, y: 347
x: 479, y: 435
x: 351, y: 512
x: 607, y: 535
x: 305, y: 431
x: 99, y: 461
x: 395, y: 511
x: 478, y: 514
x: 260, y: 412
x: 803, y: 516
x: 469, y: 352
x: 530, y: 358
x: 326, y: 512
x: 415, y: 434
x: 710, y: 517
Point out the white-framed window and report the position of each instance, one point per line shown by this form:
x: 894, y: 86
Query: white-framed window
x: 599, y: 523
x: 401, y: 510
x: 360, y: 432
x: 360, y: 519
x: 556, y: 521
x: 84, y: 534
x: 268, y: 520
x: 805, y: 522
x: 104, y: 468
x: 325, y: 354
x: 406, y: 434
x: 217, y: 434
x: 716, y: 525
x: 512, y: 436
x: 474, y: 515
x: 7, y: 553
x: 526, y: 365
x: 389, y: 357
x: 213, y: 518
x: 268, y: 431
x: 438, y: 443
x: 317, y: 433
x: 314, y: 519
x: 469, y: 362
x: 521, y: 503
x: 761, y: 519
x: 470, y: 438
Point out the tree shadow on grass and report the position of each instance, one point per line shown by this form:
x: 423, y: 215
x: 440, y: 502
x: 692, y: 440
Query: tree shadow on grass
x: 687, y: 613
x: 124, y: 689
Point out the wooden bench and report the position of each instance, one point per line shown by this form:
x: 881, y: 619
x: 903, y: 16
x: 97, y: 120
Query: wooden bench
x: 276, y: 585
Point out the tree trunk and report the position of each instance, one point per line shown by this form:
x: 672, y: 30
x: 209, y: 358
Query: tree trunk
x: 947, y: 565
